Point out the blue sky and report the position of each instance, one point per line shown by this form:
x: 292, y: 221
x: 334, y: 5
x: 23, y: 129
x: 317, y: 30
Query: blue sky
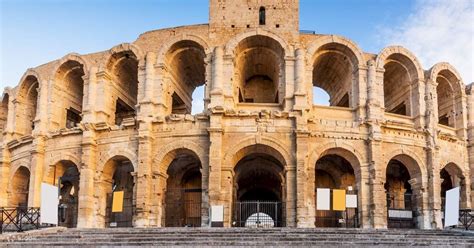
x: 34, y: 32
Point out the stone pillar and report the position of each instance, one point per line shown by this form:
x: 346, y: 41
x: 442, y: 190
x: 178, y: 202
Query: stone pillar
x: 305, y: 207
x: 36, y: 173
x: 41, y: 119
x: 378, y: 202
x: 420, y: 197
x: 470, y: 139
x: 299, y: 79
x: 291, y: 189
x: 432, y: 154
x: 102, y: 103
x: 90, y: 99
x: 4, y: 175
x: 144, y: 177
x: 216, y: 196
x: 217, y: 97
x: 87, y: 201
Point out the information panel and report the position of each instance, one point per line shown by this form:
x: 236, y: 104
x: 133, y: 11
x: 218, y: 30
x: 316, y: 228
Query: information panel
x: 49, y: 204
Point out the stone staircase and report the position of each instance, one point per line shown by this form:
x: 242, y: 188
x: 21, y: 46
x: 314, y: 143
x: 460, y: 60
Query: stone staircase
x: 237, y: 237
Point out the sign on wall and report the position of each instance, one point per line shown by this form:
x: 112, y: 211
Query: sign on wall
x: 217, y: 216
x: 117, y: 202
x: 351, y: 201
x: 49, y: 204
x: 323, y: 199
x: 451, y: 212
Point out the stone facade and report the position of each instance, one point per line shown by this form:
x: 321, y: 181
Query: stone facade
x: 121, y: 119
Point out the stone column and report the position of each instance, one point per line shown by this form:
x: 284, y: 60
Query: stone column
x: 102, y: 103
x: 144, y: 176
x: 300, y: 93
x: 432, y: 154
x: 36, y: 173
x: 470, y: 139
x: 378, y: 203
x: 4, y: 175
x: 217, y: 92
x: 305, y: 215
x: 420, y: 197
x: 291, y: 189
x: 90, y: 99
x: 87, y: 201
x: 216, y: 196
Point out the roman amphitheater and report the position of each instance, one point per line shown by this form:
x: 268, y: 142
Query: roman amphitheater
x: 396, y: 135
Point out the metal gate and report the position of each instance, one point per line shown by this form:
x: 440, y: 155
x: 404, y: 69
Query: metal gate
x: 349, y: 218
x: 400, y: 212
x: 261, y: 214
x: 119, y: 219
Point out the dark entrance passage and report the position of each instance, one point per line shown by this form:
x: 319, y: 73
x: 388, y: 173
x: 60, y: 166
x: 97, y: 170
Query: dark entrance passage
x: 184, y: 191
x: 118, y: 177
x: 258, y: 192
x: 335, y: 172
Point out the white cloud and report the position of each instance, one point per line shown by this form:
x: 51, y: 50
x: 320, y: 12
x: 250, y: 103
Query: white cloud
x: 439, y: 31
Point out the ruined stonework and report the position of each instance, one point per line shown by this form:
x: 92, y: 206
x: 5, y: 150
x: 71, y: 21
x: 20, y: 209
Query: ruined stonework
x: 120, y: 120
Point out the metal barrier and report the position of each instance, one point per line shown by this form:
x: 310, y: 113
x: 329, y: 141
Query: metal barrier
x: 259, y: 214
x: 400, y: 212
x: 19, y: 219
x: 466, y: 218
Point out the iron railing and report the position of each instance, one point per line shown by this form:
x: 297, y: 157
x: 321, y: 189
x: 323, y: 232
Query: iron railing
x: 401, y: 212
x: 332, y: 218
x: 264, y: 214
x: 119, y: 219
x: 19, y: 219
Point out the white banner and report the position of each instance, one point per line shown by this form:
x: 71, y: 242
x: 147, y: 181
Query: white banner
x: 451, y: 212
x: 49, y: 204
x: 323, y: 199
x: 217, y: 213
x: 351, y: 201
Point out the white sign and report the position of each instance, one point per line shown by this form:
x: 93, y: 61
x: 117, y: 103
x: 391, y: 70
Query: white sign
x: 217, y: 213
x: 323, y: 199
x: 49, y: 204
x: 451, y: 212
x: 351, y: 201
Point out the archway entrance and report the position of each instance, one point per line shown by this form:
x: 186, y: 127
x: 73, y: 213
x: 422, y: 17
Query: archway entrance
x: 335, y: 172
x: 117, y: 176
x: 66, y: 175
x: 258, y: 192
x: 18, y: 195
x: 402, y: 185
x: 184, y: 191
x: 452, y: 177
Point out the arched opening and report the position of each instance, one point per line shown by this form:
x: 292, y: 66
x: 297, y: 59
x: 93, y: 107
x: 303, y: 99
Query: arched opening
x: 185, y: 61
x: 27, y: 105
x: 69, y: 79
x: 18, y: 194
x: 117, y: 176
x: 452, y: 177
x: 183, y: 197
x: 65, y: 174
x: 447, y: 93
x: 3, y: 114
x: 259, y: 191
x: 335, y: 71
x: 258, y: 70
x: 403, y: 188
x: 261, y: 16
x: 123, y: 68
x: 335, y: 172
x: 400, y: 73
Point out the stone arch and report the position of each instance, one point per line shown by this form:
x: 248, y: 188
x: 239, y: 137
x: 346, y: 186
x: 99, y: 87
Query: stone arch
x: 333, y: 63
x: 125, y: 47
x: 166, y: 155
x: 57, y: 158
x: 349, y: 47
x: 72, y: 57
x: 4, y: 110
x: 27, y: 102
x: 344, y: 150
x: 402, y: 81
x: 17, y: 189
x: 185, y: 37
x: 234, y: 42
x: 412, y: 161
x: 237, y: 152
x: 450, y: 94
x: 28, y: 74
x: 118, y: 152
x: 69, y: 93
